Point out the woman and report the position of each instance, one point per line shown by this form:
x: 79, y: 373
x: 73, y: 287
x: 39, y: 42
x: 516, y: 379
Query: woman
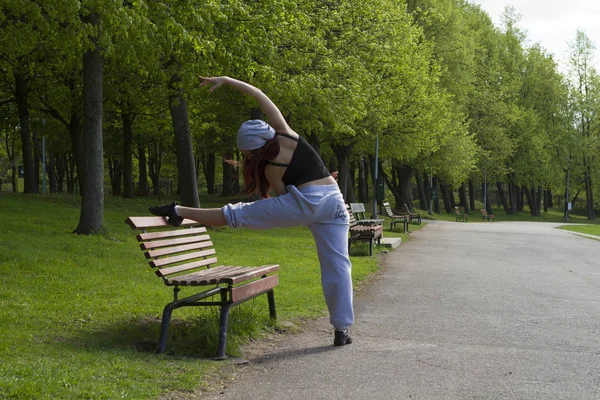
x: 276, y: 157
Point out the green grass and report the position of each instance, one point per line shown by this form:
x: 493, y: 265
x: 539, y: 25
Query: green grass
x: 587, y: 229
x: 80, y: 315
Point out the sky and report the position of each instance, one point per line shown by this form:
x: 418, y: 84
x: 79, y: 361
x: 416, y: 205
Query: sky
x: 552, y: 23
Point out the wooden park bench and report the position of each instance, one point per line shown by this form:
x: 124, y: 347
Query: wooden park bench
x: 364, y: 232
x: 412, y: 215
x: 485, y: 215
x: 460, y: 216
x: 396, y: 219
x: 358, y: 209
x: 185, y: 257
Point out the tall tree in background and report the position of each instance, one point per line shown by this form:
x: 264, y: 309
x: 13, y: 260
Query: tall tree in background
x: 585, y: 88
x: 91, y: 218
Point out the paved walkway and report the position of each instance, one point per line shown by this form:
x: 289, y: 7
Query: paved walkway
x: 461, y: 311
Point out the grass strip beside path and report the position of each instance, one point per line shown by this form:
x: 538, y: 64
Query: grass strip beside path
x: 587, y: 229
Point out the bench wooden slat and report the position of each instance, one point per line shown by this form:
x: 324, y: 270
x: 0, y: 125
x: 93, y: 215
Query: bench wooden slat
x: 161, y: 262
x: 254, y: 288
x: 212, y: 276
x: 173, y: 233
x: 259, y: 271
x: 162, y: 252
x: 209, y: 272
x: 154, y: 222
x: 218, y: 275
x: 163, y: 272
x: 173, y: 242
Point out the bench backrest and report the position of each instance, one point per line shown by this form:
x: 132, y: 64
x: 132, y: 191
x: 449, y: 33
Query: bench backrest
x: 457, y: 211
x: 352, y: 219
x: 174, y: 251
x: 358, y: 209
x: 388, y: 209
x: 484, y: 212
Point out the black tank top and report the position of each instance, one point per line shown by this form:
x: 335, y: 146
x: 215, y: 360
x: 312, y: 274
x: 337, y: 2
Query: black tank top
x: 305, y: 165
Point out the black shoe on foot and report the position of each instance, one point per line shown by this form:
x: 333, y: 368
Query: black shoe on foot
x: 342, y: 338
x: 168, y: 211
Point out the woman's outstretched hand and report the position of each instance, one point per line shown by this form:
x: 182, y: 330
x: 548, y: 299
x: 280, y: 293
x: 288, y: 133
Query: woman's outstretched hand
x: 214, y: 82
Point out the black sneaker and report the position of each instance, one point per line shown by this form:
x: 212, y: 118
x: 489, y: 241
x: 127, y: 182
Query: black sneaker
x: 167, y: 211
x: 342, y: 338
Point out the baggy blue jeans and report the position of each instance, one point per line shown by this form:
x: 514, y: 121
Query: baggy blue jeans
x: 321, y: 208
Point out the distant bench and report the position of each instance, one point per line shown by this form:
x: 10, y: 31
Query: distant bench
x: 412, y: 215
x: 395, y: 218
x: 364, y: 232
x: 185, y: 257
x: 460, y: 215
x: 485, y: 215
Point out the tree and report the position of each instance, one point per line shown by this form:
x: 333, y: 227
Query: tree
x: 585, y: 94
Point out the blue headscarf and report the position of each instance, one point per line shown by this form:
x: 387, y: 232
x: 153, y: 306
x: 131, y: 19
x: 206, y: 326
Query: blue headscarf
x: 253, y: 134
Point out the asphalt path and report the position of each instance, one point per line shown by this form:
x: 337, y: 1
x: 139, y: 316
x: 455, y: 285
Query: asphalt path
x: 494, y: 310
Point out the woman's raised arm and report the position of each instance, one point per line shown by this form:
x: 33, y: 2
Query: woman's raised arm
x: 267, y: 106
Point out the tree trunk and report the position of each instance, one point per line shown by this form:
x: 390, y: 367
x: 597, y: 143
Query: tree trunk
x: 76, y: 133
x: 589, y: 193
x: 209, y: 165
x: 227, y: 175
x: 521, y: 191
x: 435, y: 196
x: 363, y: 182
x: 27, y: 148
x: 463, y: 199
x: 15, y: 186
x: 61, y: 165
x: 115, y: 173
x: 127, y: 155
x: 52, y: 178
x: 513, y: 194
x: 142, y: 171
x: 91, y: 219
x: 531, y: 200
x: 446, y: 197
x: 154, y: 167
x: 37, y: 158
x: 342, y: 154
x: 70, y: 174
x: 422, y: 184
x: 404, y: 175
x: 186, y: 166
x: 472, y: 195
x: 502, y: 196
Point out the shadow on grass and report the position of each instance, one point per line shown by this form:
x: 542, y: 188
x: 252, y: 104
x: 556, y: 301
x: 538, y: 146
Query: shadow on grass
x: 196, y: 335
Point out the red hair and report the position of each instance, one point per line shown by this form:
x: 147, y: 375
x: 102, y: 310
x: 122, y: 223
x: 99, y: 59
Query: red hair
x: 255, y: 180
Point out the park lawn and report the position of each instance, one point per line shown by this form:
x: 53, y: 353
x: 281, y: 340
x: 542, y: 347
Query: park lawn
x: 77, y: 312
x: 587, y: 229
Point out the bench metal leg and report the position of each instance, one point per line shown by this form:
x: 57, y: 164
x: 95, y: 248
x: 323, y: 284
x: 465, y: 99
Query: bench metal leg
x: 164, y: 327
x: 224, y: 319
x: 272, y: 311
